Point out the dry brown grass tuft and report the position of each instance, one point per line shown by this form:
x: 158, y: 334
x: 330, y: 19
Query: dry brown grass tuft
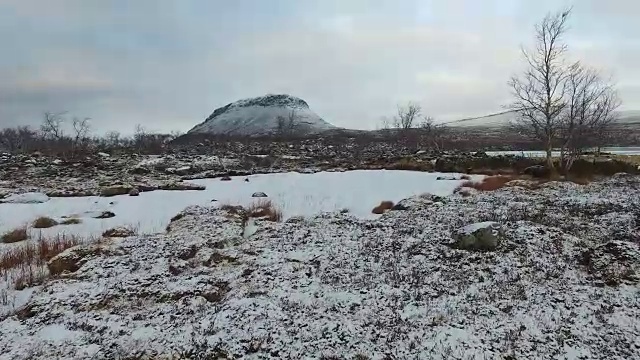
x: 15, y: 235
x: 30, y: 276
x: 489, y: 183
x: 264, y: 209
x: 232, y: 209
x: 44, y: 222
x: 383, y: 207
x: 71, y: 221
x: 37, y: 254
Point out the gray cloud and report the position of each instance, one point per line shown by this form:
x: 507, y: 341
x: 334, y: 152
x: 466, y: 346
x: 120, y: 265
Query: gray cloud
x: 167, y: 65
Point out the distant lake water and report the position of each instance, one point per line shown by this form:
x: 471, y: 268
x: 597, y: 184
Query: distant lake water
x: 631, y: 150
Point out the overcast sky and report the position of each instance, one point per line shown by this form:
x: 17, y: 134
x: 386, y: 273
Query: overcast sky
x: 167, y: 64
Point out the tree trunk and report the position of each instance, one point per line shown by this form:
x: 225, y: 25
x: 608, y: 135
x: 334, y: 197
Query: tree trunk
x: 548, y: 149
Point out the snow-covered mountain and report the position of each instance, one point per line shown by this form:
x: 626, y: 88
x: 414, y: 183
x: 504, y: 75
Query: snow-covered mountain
x: 502, y: 119
x: 259, y: 116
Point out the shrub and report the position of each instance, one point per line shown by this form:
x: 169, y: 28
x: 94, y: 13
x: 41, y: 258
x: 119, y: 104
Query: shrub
x: 15, y: 235
x: 265, y: 209
x: 44, y: 222
x: 383, y: 207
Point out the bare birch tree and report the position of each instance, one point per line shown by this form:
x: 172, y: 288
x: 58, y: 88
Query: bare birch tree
x: 52, y: 125
x: 406, y: 117
x: 433, y: 134
x: 590, y: 112
x: 539, y: 92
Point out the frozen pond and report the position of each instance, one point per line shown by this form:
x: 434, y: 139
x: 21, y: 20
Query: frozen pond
x: 293, y: 193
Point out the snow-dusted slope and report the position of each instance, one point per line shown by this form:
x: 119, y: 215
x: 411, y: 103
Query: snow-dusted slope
x: 503, y: 119
x: 259, y: 115
x: 562, y: 284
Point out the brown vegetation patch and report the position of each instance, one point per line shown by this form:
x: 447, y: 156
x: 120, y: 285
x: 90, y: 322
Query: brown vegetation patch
x: 264, y: 209
x: 410, y: 164
x: 119, y: 232
x: 35, y: 255
x: 489, y: 183
x: 232, y: 209
x: 15, y: 235
x: 71, y: 221
x: 383, y: 207
x: 44, y: 222
x: 30, y: 276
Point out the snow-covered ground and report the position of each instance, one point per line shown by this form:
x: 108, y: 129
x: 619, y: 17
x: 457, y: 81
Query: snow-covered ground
x: 293, y: 193
x: 562, y: 283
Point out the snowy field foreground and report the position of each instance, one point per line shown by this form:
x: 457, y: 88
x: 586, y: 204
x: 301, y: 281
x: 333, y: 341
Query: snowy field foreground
x: 561, y: 283
x: 294, y: 193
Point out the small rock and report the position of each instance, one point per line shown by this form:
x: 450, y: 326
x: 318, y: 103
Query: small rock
x: 482, y: 236
x: 399, y: 207
x: 259, y: 195
x: 72, y: 259
x: 225, y: 178
x: 104, y: 215
x: 134, y: 192
x: 537, y: 171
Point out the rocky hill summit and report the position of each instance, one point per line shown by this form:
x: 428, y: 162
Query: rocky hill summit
x: 559, y: 280
x: 264, y: 115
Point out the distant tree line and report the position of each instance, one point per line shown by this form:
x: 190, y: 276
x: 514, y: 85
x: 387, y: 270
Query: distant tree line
x: 69, y: 138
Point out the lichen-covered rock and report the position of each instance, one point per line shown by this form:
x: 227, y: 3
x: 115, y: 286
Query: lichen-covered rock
x: 482, y: 236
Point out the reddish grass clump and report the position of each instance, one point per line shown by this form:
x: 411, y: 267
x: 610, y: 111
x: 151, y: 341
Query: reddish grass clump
x: 383, y: 207
x: 36, y: 254
x: 265, y: 209
x: 29, y: 276
x: 44, y: 222
x: 15, y: 235
x: 489, y: 183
